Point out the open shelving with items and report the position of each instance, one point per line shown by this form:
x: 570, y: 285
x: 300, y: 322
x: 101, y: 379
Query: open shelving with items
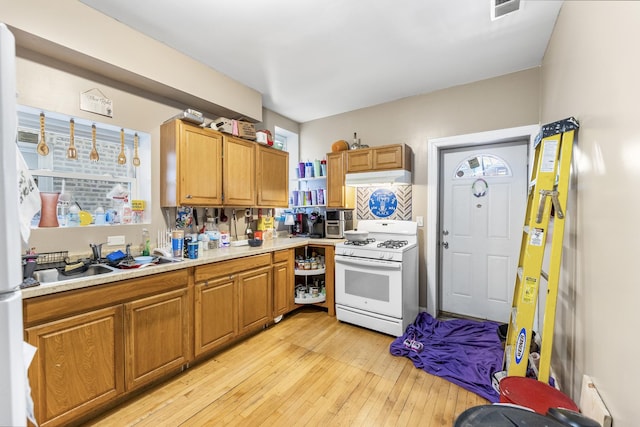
x: 323, y: 274
x: 310, y: 285
x: 309, y: 192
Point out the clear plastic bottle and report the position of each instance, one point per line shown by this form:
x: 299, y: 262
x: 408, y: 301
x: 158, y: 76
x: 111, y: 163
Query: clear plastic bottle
x: 145, y: 247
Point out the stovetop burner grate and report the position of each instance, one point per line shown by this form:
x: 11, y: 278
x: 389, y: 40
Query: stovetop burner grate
x: 393, y: 244
x: 359, y: 242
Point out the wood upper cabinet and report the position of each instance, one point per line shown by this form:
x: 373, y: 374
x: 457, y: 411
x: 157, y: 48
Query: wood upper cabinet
x: 283, y: 282
x: 360, y: 160
x: 156, y: 338
x: 381, y: 158
x: 78, y: 365
x: 239, y: 172
x: 190, y: 165
x: 338, y: 195
x: 272, y: 178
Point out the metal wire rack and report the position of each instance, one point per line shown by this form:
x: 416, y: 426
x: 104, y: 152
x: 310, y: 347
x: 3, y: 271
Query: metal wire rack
x: 51, y: 259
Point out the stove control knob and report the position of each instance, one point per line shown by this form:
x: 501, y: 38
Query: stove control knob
x: 390, y: 256
x: 381, y: 255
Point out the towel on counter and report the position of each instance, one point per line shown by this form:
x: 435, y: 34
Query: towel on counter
x: 28, y: 197
x: 465, y: 352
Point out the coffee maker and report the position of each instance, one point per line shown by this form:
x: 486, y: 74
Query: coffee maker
x: 311, y: 225
x: 315, y: 225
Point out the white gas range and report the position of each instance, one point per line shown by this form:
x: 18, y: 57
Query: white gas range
x: 376, y: 283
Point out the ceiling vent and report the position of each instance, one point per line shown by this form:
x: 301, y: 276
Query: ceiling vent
x: 500, y: 8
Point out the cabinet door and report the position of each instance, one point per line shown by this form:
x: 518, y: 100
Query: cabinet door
x: 156, y: 339
x: 190, y: 165
x: 239, y: 172
x: 272, y: 179
x: 216, y: 313
x: 360, y: 160
x: 78, y: 365
x: 255, y: 298
x: 338, y: 196
x: 390, y: 157
x: 283, y: 278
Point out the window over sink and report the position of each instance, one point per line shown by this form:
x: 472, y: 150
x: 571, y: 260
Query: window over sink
x: 111, y: 168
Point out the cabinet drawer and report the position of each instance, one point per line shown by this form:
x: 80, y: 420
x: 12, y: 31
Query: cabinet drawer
x: 58, y: 305
x: 282, y: 255
x: 209, y: 271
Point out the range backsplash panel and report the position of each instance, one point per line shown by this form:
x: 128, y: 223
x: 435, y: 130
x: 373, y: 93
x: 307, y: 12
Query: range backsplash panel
x: 385, y: 202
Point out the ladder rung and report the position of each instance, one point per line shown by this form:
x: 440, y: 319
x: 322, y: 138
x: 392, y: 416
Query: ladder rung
x: 526, y: 229
x: 520, y: 270
x: 514, y: 315
x: 532, y: 183
x: 545, y: 275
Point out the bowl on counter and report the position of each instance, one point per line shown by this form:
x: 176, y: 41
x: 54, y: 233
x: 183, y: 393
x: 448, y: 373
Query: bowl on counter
x: 255, y: 242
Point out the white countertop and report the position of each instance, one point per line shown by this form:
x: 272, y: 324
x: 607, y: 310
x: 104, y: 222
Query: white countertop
x: 206, y: 257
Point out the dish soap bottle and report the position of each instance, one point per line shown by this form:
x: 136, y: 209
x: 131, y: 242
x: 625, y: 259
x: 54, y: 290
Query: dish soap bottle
x: 146, y: 244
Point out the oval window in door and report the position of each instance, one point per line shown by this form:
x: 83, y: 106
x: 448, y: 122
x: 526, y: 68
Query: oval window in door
x: 482, y: 165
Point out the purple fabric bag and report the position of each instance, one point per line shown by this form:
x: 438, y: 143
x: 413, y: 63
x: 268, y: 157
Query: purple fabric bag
x: 465, y: 352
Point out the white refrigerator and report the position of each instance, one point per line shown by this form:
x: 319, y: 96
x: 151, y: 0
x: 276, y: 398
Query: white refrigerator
x: 12, y: 374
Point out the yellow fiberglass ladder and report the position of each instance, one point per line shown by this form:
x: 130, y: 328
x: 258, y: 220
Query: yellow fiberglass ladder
x: 548, y: 189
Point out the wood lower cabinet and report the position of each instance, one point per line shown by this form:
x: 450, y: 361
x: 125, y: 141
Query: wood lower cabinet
x: 255, y: 299
x: 78, y: 365
x: 231, y: 298
x: 283, y: 282
x: 98, y: 343
x: 215, y: 313
x: 156, y: 342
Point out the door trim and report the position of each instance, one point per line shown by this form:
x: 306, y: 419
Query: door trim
x: 433, y: 185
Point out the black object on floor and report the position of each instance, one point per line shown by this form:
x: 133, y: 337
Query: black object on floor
x: 571, y: 418
x: 503, y: 416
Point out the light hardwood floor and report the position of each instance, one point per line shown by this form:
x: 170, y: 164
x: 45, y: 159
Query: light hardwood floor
x: 309, y: 369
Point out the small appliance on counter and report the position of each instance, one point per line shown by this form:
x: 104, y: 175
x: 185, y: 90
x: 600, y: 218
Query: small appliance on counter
x: 337, y: 222
x: 315, y: 225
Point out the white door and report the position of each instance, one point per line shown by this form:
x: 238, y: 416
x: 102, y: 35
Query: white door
x: 483, y: 198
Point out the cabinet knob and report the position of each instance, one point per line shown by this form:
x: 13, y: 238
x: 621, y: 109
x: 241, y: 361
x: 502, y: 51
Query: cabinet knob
x: 188, y: 196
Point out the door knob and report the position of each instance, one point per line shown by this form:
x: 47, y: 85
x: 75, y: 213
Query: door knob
x: 445, y: 245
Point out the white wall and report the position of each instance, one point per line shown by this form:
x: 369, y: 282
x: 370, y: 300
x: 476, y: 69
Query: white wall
x: 591, y: 71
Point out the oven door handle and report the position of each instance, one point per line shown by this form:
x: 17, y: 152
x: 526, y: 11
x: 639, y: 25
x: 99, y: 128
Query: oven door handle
x: 360, y: 262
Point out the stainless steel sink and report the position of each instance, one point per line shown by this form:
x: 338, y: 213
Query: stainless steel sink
x: 52, y: 275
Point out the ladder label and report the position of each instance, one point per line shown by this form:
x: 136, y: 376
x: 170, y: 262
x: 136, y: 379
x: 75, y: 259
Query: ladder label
x: 536, y: 237
x: 530, y: 290
x: 549, y: 155
x: 520, y: 345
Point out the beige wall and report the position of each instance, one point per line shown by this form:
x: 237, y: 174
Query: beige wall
x: 54, y: 86
x: 498, y: 103
x: 591, y: 71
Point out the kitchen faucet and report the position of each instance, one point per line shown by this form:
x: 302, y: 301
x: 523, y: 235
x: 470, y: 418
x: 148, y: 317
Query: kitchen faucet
x: 97, y: 251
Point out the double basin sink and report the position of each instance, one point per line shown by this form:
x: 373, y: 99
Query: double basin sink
x: 53, y: 275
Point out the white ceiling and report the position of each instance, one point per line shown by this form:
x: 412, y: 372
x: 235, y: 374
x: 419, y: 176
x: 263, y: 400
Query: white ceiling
x: 311, y: 59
